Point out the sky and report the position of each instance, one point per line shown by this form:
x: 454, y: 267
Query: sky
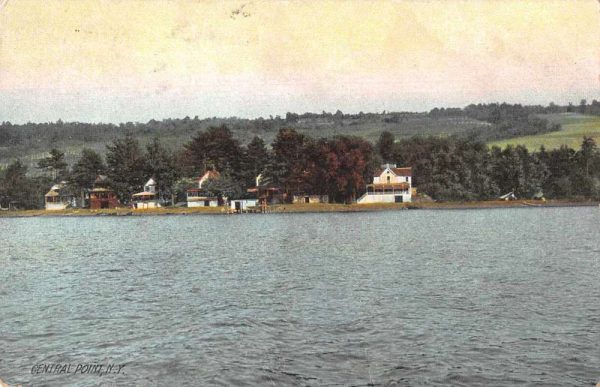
x: 126, y: 60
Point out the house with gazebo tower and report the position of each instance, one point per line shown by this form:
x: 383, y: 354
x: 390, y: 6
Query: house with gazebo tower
x: 148, y: 198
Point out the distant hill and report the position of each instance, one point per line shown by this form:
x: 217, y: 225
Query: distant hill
x: 496, y: 123
x: 574, y: 127
x: 30, y: 142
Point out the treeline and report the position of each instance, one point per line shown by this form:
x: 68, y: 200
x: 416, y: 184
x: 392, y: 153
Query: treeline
x: 450, y: 168
x: 463, y: 169
x: 483, y: 122
x: 339, y: 167
x: 507, y: 120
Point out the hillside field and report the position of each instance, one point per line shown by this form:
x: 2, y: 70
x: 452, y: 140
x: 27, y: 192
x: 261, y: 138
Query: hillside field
x: 574, y: 127
x: 37, y: 144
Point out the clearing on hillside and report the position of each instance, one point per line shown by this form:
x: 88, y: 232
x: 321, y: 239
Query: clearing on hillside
x: 574, y: 127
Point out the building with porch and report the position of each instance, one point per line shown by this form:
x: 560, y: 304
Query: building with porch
x: 59, y: 198
x: 102, y: 196
x: 148, y: 198
x: 390, y: 185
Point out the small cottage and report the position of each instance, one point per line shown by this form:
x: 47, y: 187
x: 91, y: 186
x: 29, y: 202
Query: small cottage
x: 199, y: 197
x: 242, y: 205
x: 148, y: 198
x: 102, y: 196
x: 59, y: 198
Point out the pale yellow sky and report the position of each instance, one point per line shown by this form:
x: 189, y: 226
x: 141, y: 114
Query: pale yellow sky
x: 135, y: 60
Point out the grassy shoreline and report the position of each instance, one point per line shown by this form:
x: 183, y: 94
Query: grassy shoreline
x: 304, y: 208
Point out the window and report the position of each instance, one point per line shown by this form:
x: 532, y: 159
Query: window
x: 388, y: 179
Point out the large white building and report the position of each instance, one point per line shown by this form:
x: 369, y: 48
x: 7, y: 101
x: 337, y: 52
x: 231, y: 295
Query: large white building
x: 390, y: 185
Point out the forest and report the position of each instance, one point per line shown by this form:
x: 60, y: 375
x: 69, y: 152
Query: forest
x: 450, y: 168
x: 484, y: 122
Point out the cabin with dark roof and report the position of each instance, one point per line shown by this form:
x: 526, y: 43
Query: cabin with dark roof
x: 102, y: 196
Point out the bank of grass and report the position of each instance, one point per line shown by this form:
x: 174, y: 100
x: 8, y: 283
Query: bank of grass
x: 305, y: 208
x: 574, y: 128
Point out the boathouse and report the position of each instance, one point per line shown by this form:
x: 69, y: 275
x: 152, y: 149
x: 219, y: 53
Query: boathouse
x: 243, y: 205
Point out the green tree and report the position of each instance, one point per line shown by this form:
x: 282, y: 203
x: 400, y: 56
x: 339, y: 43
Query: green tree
x: 55, y: 164
x: 255, y: 160
x: 587, y: 153
x: 224, y: 186
x: 214, y: 148
x: 160, y: 164
x: 385, y: 146
x: 85, y: 171
x: 17, y: 188
x: 87, y: 168
x: 582, y: 106
x: 126, y: 167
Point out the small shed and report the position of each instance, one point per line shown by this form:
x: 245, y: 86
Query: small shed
x: 243, y: 205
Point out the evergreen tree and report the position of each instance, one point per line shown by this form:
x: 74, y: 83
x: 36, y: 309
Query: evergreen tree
x: 385, y: 146
x: 55, y: 164
x: 214, y: 148
x: 160, y: 164
x: 126, y: 167
x: 87, y: 168
x: 256, y: 160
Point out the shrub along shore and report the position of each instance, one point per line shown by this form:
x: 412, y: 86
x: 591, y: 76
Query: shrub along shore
x: 306, y: 208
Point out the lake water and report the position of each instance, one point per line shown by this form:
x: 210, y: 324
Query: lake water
x: 462, y: 297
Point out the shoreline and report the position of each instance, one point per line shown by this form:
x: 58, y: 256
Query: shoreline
x: 302, y: 208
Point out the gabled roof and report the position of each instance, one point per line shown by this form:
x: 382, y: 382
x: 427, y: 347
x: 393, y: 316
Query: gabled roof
x: 150, y: 182
x: 403, y: 171
x: 101, y: 179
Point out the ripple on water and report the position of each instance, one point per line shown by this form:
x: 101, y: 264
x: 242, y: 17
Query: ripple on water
x: 312, y: 299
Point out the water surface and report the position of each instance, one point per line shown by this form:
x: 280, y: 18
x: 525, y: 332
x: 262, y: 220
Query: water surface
x: 471, y: 297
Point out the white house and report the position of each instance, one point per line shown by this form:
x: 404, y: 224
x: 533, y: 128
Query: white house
x: 147, y: 198
x: 58, y: 198
x: 198, y: 197
x: 390, y: 185
x: 241, y: 205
